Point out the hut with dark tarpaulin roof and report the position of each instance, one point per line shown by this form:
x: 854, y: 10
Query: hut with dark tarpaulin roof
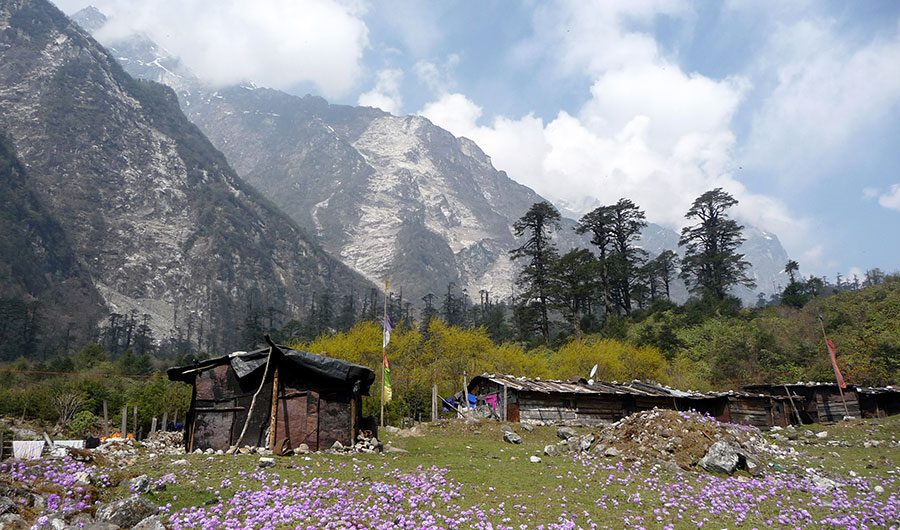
x: 300, y: 398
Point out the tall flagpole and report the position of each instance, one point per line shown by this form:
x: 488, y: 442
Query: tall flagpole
x: 383, y: 348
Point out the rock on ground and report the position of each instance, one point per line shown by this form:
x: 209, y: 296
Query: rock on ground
x: 511, y: 437
x: 720, y: 458
x: 154, y: 522
x: 127, y: 512
x: 564, y: 433
x: 550, y: 450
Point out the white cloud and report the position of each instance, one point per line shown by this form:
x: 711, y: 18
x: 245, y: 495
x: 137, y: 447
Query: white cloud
x: 870, y: 193
x: 275, y: 43
x: 437, y: 77
x: 891, y: 198
x: 386, y: 93
x: 828, y: 88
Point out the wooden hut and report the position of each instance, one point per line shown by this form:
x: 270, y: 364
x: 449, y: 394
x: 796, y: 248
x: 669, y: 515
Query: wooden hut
x: 276, y: 397
x: 879, y: 402
x: 817, y: 402
x: 551, y: 401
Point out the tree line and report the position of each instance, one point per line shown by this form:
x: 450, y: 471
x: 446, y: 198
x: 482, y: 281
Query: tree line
x: 616, y: 276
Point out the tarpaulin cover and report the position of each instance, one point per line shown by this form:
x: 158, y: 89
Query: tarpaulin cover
x: 245, y: 364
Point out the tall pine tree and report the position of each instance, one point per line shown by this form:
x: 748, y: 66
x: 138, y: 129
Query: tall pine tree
x: 711, y: 263
x: 540, y: 253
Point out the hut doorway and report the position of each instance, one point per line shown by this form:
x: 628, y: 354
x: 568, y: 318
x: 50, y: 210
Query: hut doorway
x: 296, y: 421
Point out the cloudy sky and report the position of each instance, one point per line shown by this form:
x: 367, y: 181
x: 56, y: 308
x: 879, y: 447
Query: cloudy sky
x: 793, y: 107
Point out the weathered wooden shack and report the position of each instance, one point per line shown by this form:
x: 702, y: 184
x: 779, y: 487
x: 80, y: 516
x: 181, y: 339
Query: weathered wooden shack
x: 551, y: 401
x: 300, y: 398
x: 580, y: 402
x: 817, y: 402
x: 879, y: 402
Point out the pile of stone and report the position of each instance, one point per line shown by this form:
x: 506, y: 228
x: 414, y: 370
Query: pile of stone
x: 118, y: 447
x: 365, y: 443
x: 165, y: 442
x: 687, y: 439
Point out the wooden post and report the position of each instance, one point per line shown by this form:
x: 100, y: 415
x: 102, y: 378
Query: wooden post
x: 134, y: 423
x: 165, y: 421
x: 153, y: 425
x: 1, y: 445
x: 793, y: 406
x: 274, y: 411
x: 124, y: 428
x: 434, y: 402
x: 504, y: 403
x: 105, y: 420
x: 465, y: 393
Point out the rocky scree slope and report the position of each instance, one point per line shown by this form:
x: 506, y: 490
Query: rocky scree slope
x: 154, y: 213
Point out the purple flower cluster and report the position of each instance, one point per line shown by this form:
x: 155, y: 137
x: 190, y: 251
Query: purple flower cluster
x: 59, y: 478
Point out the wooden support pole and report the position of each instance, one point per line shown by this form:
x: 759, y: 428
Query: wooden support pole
x: 434, y: 402
x: 505, y: 404
x: 134, y: 424
x: 793, y: 406
x: 124, y: 429
x: 105, y: 420
x: 153, y: 425
x: 165, y: 421
x: 465, y: 397
x: 274, y: 411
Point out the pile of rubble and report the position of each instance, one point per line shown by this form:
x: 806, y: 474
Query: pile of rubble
x: 688, y: 440
x: 165, y: 442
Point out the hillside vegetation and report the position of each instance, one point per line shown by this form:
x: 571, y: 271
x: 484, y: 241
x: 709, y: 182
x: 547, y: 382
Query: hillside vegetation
x: 695, y: 346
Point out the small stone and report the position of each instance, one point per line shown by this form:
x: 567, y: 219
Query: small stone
x: 878, y: 489
x: 550, y: 450
x: 266, y: 461
x: 822, y: 435
x: 7, y: 505
x: 535, y: 459
x: 139, y: 484
x: 511, y: 437
x: 390, y: 429
x: 527, y: 427
x: 302, y: 449
x: 612, y: 451
x: 506, y: 428
x: 564, y: 433
x: 586, y: 442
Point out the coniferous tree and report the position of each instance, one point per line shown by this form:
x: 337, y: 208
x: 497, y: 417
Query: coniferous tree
x: 538, y: 249
x: 665, y: 265
x: 711, y: 263
x: 574, y: 282
x: 626, y: 259
x: 598, y: 224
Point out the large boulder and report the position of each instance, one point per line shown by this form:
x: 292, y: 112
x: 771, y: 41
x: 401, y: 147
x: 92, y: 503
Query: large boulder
x: 127, y: 512
x: 721, y: 457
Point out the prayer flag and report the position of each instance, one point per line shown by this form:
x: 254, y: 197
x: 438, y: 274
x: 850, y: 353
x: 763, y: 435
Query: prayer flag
x: 837, y: 372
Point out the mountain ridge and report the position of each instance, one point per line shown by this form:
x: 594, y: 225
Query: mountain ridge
x: 154, y: 211
x: 431, y: 205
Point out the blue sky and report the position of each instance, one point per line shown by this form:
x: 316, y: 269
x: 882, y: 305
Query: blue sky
x: 793, y: 107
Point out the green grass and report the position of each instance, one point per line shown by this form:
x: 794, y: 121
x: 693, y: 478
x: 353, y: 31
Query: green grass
x: 492, y: 472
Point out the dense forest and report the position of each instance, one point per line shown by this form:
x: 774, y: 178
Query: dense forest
x: 608, y: 306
